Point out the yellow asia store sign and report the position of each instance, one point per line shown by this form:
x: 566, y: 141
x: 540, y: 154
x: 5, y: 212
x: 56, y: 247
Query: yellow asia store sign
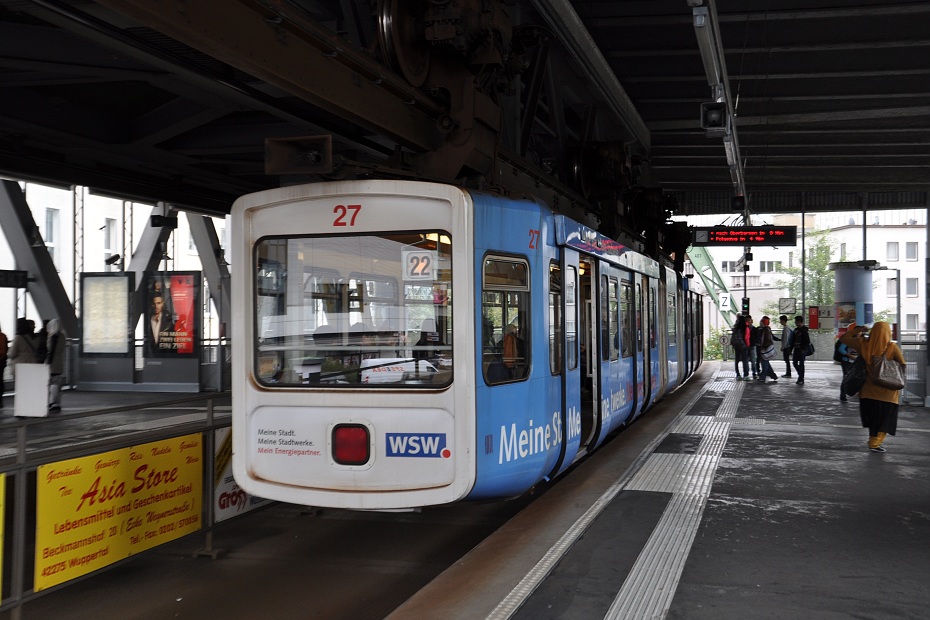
x: 96, y: 510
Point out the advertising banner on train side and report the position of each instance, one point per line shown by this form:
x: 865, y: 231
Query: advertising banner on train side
x: 229, y: 500
x: 96, y: 510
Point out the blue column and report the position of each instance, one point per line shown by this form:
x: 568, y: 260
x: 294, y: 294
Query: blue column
x: 852, y: 295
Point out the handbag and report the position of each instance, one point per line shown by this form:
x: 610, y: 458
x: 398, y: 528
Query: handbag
x: 855, y: 377
x: 768, y: 352
x: 887, y: 373
x: 809, y: 350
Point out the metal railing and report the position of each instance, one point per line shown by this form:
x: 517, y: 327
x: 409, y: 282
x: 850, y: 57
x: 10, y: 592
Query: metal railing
x: 24, y: 446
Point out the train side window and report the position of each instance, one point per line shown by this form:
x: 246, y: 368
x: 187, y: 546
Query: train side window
x: 652, y: 320
x: 613, y: 315
x: 571, y: 317
x: 605, y: 320
x: 555, y: 318
x: 505, y: 316
x: 672, y: 321
x: 626, y: 319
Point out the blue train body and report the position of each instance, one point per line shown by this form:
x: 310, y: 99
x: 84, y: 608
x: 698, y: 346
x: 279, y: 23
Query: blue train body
x: 430, y: 344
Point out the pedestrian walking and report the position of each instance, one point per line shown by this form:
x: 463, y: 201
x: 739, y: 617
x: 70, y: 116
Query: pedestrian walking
x: 878, y: 406
x: 802, y: 341
x: 766, y: 350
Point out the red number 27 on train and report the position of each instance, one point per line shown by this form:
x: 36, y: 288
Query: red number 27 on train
x: 342, y: 212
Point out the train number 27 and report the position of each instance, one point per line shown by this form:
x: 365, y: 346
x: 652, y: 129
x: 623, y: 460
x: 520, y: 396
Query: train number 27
x: 342, y: 211
x: 534, y: 238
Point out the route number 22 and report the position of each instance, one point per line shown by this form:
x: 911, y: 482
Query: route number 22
x: 342, y: 212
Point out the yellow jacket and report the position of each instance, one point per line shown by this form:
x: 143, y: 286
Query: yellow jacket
x: 877, y: 343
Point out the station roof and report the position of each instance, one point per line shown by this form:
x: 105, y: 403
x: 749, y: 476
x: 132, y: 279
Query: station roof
x: 830, y: 101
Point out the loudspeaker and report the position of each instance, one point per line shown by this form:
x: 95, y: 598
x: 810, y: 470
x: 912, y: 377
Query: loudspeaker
x: 714, y: 119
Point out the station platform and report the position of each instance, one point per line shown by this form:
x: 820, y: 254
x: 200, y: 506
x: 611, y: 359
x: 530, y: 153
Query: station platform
x: 730, y: 499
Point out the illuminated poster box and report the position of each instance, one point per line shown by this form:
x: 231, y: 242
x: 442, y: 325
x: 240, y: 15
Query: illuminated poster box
x: 744, y: 235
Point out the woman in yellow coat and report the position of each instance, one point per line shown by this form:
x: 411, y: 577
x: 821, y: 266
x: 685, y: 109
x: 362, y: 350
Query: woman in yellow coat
x: 878, y: 406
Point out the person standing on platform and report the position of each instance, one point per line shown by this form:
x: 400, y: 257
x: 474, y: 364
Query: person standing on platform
x: 802, y: 340
x: 878, y: 406
x: 22, y: 350
x: 739, y: 340
x: 766, y: 341
x: 753, y: 346
x: 56, y: 364
x: 845, y: 355
x: 4, y: 348
x: 786, y: 340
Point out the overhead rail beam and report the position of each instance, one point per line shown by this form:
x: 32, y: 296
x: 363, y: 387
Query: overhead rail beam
x: 300, y: 57
x: 562, y: 19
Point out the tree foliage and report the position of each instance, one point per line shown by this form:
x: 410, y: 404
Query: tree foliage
x: 817, y: 277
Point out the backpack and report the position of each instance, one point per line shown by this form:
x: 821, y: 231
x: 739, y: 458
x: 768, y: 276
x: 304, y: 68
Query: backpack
x: 4, y: 346
x: 837, y: 355
x: 738, y: 343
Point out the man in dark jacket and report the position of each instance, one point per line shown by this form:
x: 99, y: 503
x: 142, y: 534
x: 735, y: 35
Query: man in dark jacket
x: 802, y: 340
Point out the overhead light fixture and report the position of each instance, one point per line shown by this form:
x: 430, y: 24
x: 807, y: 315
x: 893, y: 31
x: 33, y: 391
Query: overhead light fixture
x: 707, y: 44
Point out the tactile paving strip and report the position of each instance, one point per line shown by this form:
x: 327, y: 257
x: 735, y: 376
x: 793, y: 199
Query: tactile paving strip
x: 648, y: 590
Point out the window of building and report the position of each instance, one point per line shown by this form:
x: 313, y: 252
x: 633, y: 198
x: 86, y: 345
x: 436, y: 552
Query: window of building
x: 911, y: 287
x: 891, y: 253
x: 911, y: 321
x: 51, y: 233
x: 910, y: 250
x: 769, y: 266
x: 109, y: 241
x: 790, y: 260
x: 842, y: 251
x: 891, y: 287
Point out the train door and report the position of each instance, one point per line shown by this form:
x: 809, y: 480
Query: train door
x: 587, y: 330
x: 650, y: 355
x: 662, y: 322
x: 641, y: 355
x: 567, y: 309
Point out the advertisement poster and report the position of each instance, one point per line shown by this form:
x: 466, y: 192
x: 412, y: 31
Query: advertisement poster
x: 105, y: 319
x: 845, y: 314
x: 172, y: 317
x: 228, y: 499
x: 96, y: 510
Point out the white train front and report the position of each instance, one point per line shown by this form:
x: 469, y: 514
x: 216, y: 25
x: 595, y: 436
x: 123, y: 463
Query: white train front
x: 400, y: 344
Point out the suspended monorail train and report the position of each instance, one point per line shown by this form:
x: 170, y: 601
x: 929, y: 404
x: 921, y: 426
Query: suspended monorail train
x: 399, y: 344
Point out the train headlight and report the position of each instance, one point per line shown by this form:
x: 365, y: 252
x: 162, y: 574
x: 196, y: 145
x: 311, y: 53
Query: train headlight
x: 351, y: 444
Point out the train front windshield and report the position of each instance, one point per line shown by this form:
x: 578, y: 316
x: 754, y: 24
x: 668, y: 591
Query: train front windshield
x: 354, y: 311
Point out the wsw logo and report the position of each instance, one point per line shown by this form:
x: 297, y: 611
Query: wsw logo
x: 422, y: 445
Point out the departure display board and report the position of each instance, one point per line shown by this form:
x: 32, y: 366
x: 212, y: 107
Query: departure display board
x: 744, y: 235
